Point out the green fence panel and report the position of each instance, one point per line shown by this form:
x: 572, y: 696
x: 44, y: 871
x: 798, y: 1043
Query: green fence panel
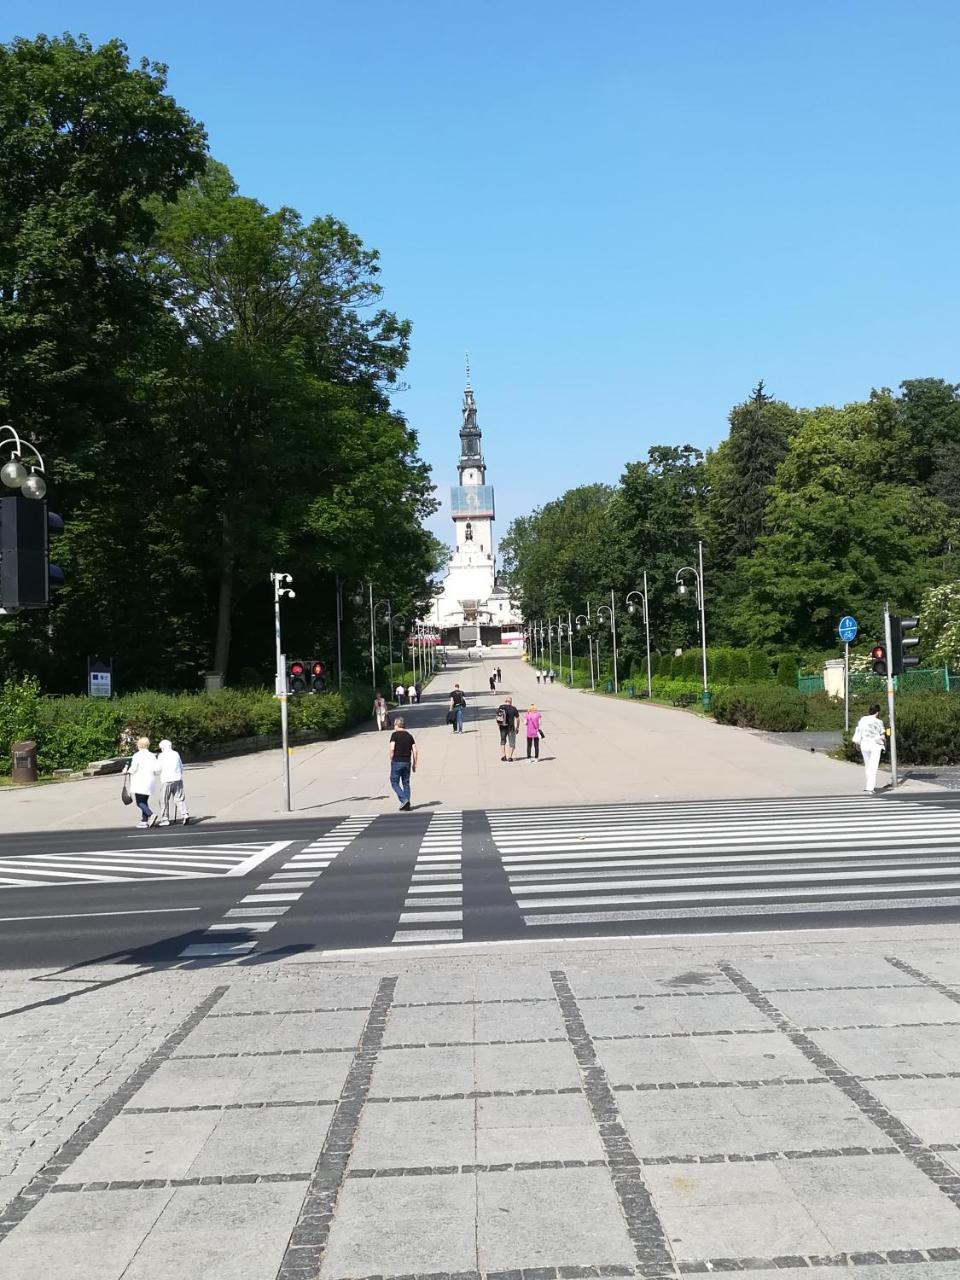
x: 810, y: 684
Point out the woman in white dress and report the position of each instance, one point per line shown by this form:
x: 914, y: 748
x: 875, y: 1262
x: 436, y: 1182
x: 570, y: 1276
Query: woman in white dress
x: 142, y: 775
x: 870, y: 736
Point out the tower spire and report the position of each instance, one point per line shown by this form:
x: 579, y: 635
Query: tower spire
x: 468, y: 371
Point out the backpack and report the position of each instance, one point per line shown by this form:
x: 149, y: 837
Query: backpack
x: 501, y: 715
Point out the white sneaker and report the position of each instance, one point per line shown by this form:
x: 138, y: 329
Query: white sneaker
x: 142, y: 826
x: 164, y: 822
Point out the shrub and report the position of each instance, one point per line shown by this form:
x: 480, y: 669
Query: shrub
x: 739, y: 666
x: 666, y: 690
x: 719, y: 665
x: 758, y: 666
x: 787, y: 671
x: 689, y: 664
x: 760, y: 706
x: 655, y: 661
x: 928, y: 729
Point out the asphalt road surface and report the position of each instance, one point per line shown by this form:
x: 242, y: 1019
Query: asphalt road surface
x: 249, y: 892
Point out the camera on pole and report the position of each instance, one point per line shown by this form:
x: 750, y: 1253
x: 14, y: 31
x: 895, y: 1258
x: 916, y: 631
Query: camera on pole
x: 900, y: 641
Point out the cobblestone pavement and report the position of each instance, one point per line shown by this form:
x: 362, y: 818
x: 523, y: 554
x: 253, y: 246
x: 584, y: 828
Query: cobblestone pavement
x: 642, y: 1108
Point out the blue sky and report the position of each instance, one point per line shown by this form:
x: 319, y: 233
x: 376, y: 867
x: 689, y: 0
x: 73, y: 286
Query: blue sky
x: 627, y: 211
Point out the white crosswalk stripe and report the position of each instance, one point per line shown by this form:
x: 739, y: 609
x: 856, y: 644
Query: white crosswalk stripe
x: 433, y: 910
x: 238, y: 936
x: 657, y: 862
x: 136, y: 862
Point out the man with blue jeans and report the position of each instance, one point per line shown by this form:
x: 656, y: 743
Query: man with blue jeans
x: 403, y: 761
x: 458, y: 705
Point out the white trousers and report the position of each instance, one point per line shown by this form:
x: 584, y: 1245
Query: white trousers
x: 872, y: 752
x: 175, y: 800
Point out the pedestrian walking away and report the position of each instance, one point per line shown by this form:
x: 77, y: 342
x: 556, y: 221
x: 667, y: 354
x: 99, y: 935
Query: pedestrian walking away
x: 552, y: 674
x: 457, y: 706
x: 412, y: 694
x: 499, y: 675
x: 508, y: 719
x: 493, y: 682
x: 398, y: 694
x: 534, y: 732
x: 538, y: 675
x: 870, y: 736
x: 418, y: 689
x: 380, y: 710
x: 173, y: 800
x: 142, y: 779
x: 403, y: 761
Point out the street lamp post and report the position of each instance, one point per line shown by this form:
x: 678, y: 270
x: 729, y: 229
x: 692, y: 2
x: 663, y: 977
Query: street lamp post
x: 281, y: 587
x: 583, y: 620
x: 373, y: 653
x: 611, y: 612
x: 570, y: 644
x: 698, y: 590
x: 643, y: 595
x: 339, y: 622
x: 29, y: 477
x: 389, y: 617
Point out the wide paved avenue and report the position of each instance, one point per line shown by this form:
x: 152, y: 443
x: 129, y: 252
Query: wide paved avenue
x: 447, y: 876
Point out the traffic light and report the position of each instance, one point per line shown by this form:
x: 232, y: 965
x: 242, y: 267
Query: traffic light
x: 899, y: 641
x: 879, y: 655
x: 296, y: 677
x: 26, y: 575
x: 318, y: 676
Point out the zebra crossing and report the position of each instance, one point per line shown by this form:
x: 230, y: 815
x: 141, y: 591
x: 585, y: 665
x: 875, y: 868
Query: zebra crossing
x: 433, y: 910
x: 136, y: 862
x: 241, y: 929
x: 649, y: 863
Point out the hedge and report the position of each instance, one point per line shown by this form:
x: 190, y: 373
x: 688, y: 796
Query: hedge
x: 761, y: 706
x: 72, y: 731
x: 928, y: 729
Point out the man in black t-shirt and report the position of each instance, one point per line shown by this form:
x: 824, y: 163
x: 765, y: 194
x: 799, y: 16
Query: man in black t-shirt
x: 458, y: 705
x: 508, y: 720
x: 403, y: 761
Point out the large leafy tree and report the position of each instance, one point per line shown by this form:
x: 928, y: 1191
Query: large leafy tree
x: 844, y: 531
x: 280, y: 408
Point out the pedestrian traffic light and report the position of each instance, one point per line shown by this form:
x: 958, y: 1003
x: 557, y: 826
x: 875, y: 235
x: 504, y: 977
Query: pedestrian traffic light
x: 296, y: 677
x: 899, y: 641
x: 879, y: 655
x: 26, y: 575
x: 318, y: 676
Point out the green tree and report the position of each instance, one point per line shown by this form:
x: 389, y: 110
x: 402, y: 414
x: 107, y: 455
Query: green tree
x: 940, y: 626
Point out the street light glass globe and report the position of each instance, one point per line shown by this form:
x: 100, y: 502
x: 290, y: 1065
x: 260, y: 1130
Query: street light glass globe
x: 34, y: 486
x: 682, y: 589
x: 13, y: 474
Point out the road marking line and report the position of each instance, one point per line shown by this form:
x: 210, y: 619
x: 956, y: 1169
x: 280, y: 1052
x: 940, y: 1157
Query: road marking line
x: 258, y: 911
x: 423, y: 917
x: 426, y: 935
x: 90, y: 915
x: 251, y: 926
x: 272, y: 897
x: 196, y: 949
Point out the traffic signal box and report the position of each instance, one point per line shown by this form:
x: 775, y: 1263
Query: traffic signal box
x: 26, y: 575
x: 307, y: 677
x: 900, y: 659
x: 879, y: 656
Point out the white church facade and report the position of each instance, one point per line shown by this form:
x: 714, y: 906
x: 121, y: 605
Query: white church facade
x: 473, y: 605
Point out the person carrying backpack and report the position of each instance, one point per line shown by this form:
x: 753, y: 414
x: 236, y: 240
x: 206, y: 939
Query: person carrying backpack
x: 508, y: 719
x: 458, y: 705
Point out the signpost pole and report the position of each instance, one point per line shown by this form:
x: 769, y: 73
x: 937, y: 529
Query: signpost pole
x: 887, y: 632
x: 846, y: 686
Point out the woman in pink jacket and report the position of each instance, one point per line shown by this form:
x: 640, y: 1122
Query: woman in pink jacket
x: 532, y: 718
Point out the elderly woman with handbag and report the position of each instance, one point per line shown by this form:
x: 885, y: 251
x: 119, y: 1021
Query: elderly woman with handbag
x: 141, y: 779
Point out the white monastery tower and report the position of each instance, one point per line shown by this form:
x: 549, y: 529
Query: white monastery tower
x: 471, y: 604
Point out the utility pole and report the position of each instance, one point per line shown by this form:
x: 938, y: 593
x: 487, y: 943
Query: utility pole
x: 888, y: 635
x: 281, y: 587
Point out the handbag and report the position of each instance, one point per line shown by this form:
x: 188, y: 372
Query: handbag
x: 125, y: 795
x: 542, y: 734
x: 451, y: 717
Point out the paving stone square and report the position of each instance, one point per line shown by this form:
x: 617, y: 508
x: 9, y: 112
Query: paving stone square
x: 434, y: 1024
x: 867, y: 1008
x: 324, y: 990
x: 540, y: 1021
x: 883, y: 1051
x: 511, y: 1067
x: 219, y: 1233
x: 413, y: 1072
x: 425, y: 1225
x: 415, y: 1135
x: 549, y: 1218
x: 287, y: 1140
x: 544, y: 1128
x: 92, y: 1237
x: 149, y: 1146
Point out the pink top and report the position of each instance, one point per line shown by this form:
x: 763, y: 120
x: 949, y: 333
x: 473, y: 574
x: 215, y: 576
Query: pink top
x: 533, y: 723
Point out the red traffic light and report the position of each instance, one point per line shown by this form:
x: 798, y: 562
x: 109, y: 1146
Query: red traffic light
x: 296, y: 668
x: 878, y: 653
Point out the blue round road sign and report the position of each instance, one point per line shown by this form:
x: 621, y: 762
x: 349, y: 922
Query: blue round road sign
x: 848, y: 629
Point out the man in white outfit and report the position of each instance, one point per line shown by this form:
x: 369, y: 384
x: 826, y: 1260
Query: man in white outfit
x: 170, y: 768
x: 871, y: 737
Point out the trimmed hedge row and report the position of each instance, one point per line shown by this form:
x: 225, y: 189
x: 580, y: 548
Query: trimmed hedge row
x: 928, y: 729
x: 72, y: 731
x: 761, y: 706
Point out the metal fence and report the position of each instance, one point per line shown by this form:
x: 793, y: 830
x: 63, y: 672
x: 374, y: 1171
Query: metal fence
x: 810, y: 684
x: 922, y: 680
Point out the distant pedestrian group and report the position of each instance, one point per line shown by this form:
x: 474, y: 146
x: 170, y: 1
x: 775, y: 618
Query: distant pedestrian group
x: 144, y: 773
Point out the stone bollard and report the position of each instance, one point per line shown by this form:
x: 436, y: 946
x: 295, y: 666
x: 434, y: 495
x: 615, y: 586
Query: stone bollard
x: 24, y: 769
